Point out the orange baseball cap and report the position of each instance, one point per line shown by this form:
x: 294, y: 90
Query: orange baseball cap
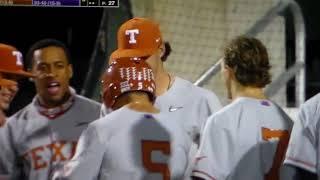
x: 138, y: 37
x: 11, y: 61
x: 6, y: 82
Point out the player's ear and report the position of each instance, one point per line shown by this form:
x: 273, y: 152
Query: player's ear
x: 232, y: 73
x: 70, y: 70
x: 162, y: 50
x: 228, y: 72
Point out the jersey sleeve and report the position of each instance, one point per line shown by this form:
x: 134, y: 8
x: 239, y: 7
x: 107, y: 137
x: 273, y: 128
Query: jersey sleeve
x: 215, y: 153
x: 301, y: 150
x: 87, y: 160
x: 210, y: 105
x: 213, y: 102
x: 8, y: 152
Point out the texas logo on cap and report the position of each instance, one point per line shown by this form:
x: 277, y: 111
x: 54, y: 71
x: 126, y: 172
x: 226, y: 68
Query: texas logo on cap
x: 11, y: 61
x: 138, y: 37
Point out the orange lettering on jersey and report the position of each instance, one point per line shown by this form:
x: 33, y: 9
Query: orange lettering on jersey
x: 37, y: 155
x: 56, y: 148
x: 37, y: 160
x: 283, y: 136
x: 147, y: 148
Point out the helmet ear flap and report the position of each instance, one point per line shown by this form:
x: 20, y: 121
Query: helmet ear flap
x: 109, y: 95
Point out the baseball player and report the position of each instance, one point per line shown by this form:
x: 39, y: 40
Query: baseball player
x: 246, y: 139
x: 303, y: 149
x: 43, y: 135
x: 11, y: 67
x: 141, y: 39
x: 134, y: 141
x: 4, y: 83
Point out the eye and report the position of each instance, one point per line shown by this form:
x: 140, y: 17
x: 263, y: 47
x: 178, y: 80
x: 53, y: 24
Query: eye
x: 60, y: 65
x: 42, y: 67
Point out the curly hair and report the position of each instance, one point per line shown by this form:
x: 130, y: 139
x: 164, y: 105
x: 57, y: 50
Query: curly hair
x: 167, y: 51
x: 248, y: 58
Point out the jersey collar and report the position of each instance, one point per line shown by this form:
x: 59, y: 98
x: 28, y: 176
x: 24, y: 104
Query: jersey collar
x: 53, y: 113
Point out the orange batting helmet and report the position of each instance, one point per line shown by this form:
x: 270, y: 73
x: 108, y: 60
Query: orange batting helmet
x: 126, y: 75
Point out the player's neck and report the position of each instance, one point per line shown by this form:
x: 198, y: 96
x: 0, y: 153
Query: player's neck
x: 53, y: 104
x: 143, y: 106
x: 248, y: 91
x: 163, y: 80
x: 138, y: 101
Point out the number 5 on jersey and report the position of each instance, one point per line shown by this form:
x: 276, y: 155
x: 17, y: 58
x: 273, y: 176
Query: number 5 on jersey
x: 147, y: 148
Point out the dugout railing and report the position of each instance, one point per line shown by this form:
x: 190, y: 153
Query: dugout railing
x: 297, y: 70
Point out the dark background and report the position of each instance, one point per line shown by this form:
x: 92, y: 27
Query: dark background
x: 310, y: 10
x: 78, y: 28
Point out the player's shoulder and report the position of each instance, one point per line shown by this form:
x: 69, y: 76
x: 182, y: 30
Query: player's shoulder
x: 312, y: 103
x: 21, y: 118
x: 87, y: 105
x: 183, y: 83
x: 86, y: 101
x: 197, y: 91
x: 310, y: 110
x: 225, y: 115
x: 23, y: 113
x: 234, y: 106
x: 115, y: 117
x: 114, y: 121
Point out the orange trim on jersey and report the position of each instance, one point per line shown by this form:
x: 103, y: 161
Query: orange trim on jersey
x: 302, y: 162
x: 204, y: 173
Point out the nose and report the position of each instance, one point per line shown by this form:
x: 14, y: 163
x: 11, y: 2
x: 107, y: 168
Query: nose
x: 50, y: 72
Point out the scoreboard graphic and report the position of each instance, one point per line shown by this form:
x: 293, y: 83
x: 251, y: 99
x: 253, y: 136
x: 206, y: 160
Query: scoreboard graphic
x: 67, y: 3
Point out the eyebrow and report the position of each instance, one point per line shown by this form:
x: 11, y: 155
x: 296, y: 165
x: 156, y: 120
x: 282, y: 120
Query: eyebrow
x: 55, y: 62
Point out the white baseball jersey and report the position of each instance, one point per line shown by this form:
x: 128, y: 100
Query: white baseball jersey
x: 242, y: 141
x: 33, y: 145
x: 303, y: 149
x: 128, y: 144
x: 193, y: 104
x: 181, y: 96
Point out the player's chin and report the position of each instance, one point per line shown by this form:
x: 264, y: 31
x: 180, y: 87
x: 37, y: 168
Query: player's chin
x: 56, y: 99
x: 4, y: 106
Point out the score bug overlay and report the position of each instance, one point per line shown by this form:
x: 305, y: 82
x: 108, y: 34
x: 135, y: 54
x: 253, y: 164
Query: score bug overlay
x: 68, y: 3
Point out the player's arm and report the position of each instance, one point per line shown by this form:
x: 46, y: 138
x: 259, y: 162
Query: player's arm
x: 213, y: 102
x: 211, y: 161
x: 210, y: 105
x: 301, y: 150
x: 87, y: 160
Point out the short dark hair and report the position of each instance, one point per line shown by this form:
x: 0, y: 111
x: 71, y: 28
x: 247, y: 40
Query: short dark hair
x: 43, y: 44
x: 248, y: 57
x: 167, y: 51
